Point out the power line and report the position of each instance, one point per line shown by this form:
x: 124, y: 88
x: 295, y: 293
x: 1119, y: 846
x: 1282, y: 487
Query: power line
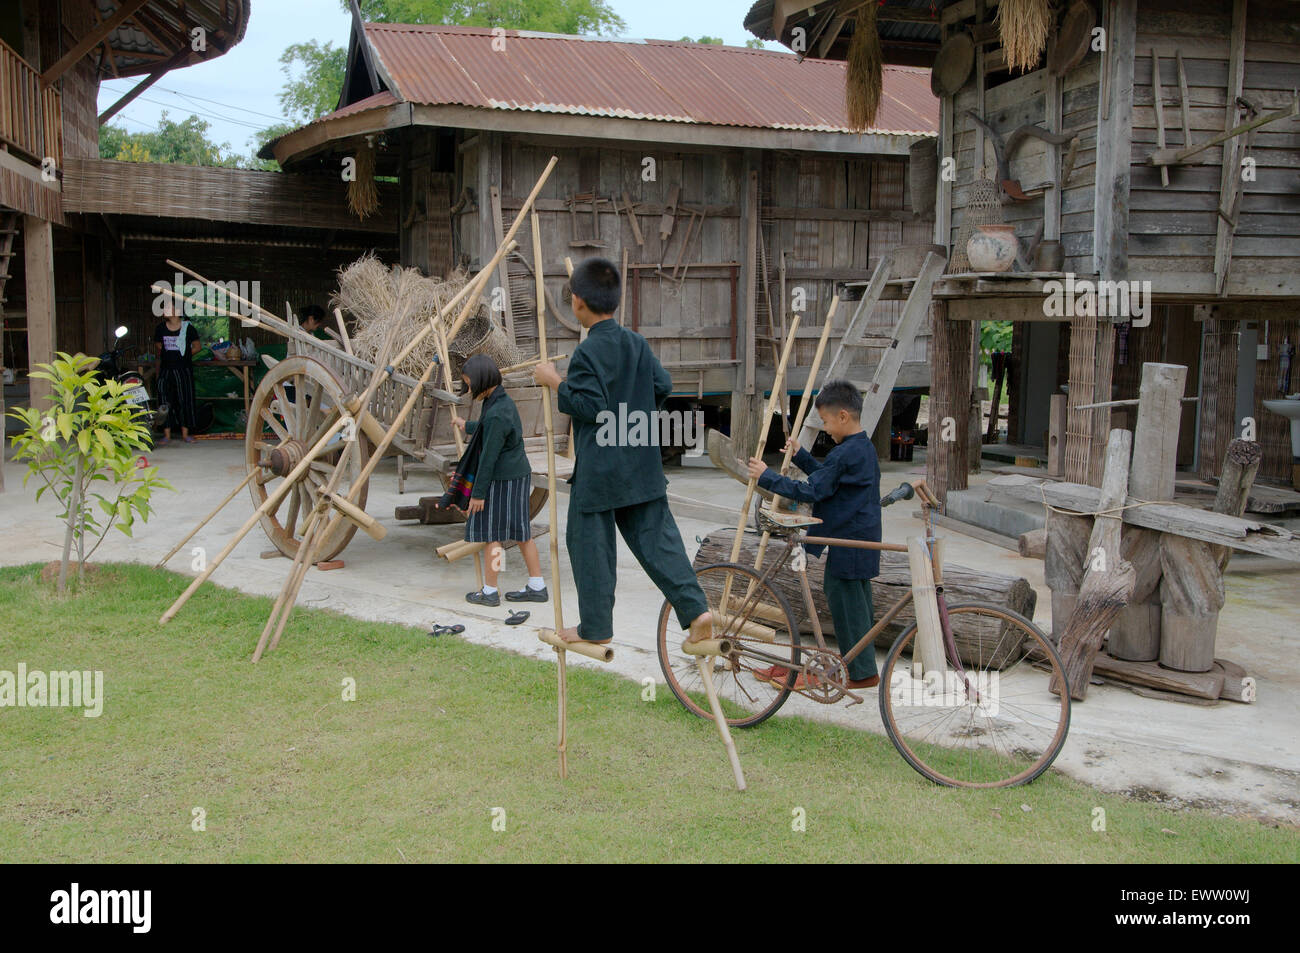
x: 251, y: 112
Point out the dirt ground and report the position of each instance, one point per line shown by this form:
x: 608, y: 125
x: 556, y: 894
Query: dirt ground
x: 1241, y: 759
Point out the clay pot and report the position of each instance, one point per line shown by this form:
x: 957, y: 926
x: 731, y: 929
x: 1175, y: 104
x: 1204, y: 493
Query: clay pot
x: 992, y: 248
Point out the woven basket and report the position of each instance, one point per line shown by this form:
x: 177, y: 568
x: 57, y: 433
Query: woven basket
x: 984, y: 208
x: 481, y: 335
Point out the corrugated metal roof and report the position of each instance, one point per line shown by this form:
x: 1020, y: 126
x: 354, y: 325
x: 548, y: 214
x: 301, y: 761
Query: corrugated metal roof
x: 649, y: 79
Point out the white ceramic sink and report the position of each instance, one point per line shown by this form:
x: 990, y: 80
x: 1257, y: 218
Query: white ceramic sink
x: 1289, y: 408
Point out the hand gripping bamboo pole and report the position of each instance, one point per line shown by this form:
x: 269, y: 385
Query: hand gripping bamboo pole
x: 204, y: 522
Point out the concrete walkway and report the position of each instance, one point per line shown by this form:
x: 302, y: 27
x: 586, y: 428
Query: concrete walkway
x: 1230, y: 757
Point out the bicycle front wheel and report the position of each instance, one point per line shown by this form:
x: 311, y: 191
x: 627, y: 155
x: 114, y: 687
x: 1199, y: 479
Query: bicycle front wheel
x: 755, y: 679
x: 986, y: 719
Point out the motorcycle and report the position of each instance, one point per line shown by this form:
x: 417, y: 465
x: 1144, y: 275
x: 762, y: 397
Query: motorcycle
x: 110, y: 367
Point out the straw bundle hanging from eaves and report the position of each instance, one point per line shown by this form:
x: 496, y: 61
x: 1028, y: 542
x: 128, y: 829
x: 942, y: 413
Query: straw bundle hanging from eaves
x: 1023, y: 26
x: 864, y: 73
x: 363, y: 193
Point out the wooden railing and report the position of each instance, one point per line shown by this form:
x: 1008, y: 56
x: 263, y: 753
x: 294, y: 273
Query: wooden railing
x: 31, y: 117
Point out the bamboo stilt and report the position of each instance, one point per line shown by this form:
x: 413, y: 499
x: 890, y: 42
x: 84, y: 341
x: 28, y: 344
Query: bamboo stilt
x: 705, y: 666
x: 343, y: 331
x: 778, y: 384
x: 552, y: 506
x: 204, y: 522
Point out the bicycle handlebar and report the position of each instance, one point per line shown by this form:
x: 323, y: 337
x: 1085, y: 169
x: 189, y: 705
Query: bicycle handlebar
x: 904, y: 492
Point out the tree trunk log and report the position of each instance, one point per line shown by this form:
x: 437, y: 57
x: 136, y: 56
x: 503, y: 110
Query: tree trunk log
x: 1107, y: 582
x: 1064, y: 555
x: 1135, y: 633
x: 1191, y: 593
x: 959, y: 584
x: 1033, y: 545
x: 1240, y: 464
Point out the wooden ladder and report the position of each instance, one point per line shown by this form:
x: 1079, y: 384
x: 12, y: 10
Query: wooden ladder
x: 9, y: 222
x: 895, y: 346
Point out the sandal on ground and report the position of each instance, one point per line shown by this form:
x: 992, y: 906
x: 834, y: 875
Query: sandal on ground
x: 438, y: 630
x: 517, y: 618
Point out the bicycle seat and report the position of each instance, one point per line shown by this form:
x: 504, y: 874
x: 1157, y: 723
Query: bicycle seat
x: 784, y: 524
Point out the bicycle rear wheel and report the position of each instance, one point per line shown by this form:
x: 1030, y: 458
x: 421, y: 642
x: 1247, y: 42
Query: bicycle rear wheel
x: 989, y: 720
x: 764, y: 632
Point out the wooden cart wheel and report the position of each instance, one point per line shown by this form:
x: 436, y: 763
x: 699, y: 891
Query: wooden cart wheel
x: 296, y: 402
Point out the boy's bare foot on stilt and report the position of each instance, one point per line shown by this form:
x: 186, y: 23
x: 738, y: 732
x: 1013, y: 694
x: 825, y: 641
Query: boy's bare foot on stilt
x: 701, y: 628
x: 571, y: 635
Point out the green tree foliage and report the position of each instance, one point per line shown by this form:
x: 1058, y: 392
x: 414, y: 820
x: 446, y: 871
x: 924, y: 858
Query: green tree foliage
x: 88, y: 435
x: 313, y: 81
x: 185, y: 143
x: 710, y: 40
x: 595, y: 17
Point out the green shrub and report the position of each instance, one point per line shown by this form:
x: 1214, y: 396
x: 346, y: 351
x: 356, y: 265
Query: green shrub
x: 88, y: 434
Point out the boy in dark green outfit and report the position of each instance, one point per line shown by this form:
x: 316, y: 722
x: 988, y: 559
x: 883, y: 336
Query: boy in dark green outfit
x: 844, y: 490
x: 618, y: 479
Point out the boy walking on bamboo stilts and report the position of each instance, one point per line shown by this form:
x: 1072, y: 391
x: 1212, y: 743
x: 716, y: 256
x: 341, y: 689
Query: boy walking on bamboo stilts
x: 617, y: 482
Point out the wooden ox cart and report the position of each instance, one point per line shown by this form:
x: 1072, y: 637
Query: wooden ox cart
x: 281, y: 427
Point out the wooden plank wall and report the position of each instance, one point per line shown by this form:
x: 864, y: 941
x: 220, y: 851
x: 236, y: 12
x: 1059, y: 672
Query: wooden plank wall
x: 1015, y: 102
x: 822, y: 247
x: 79, y: 85
x: 833, y: 216
x: 1173, y: 230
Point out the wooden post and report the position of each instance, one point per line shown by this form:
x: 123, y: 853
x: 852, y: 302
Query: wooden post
x: 1136, y: 632
x: 1107, y: 581
x: 1056, y: 435
x: 1191, y: 595
x: 1155, y: 439
x: 927, y: 651
x: 1240, y: 464
x: 1064, y: 552
x: 38, y: 255
x: 946, y: 459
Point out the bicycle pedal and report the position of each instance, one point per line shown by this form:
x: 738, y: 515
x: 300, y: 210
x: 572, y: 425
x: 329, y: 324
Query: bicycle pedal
x: 854, y: 699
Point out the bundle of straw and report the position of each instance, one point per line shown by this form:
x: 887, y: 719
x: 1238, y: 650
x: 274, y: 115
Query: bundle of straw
x: 864, y: 76
x: 363, y: 193
x: 374, y: 295
x: 1023, y: 26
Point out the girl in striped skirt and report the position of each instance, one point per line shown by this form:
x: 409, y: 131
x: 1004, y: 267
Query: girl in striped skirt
x: 501, y: 484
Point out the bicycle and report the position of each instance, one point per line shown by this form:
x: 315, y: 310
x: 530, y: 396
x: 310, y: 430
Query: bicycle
x: 971, y: 708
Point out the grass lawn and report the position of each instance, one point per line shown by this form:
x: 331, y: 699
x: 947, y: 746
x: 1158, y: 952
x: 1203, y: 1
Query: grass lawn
x: 442, y: 732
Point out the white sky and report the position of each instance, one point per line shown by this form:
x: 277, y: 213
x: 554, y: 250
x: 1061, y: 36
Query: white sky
x: 238, y: 93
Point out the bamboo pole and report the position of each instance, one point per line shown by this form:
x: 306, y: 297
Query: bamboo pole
x: 778, y: 383
x: 269, y: 504
x: 601, y: 653
x: 709, y: 647
x: 552, y: 503
x: 705, y: 665
x: 788, y: 452
x: 343, y: 331
x: 204, y: 522
x: 530, y: 362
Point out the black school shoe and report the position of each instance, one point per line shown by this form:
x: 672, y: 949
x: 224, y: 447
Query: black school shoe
x: 528, y: 595
x: 480, y: 598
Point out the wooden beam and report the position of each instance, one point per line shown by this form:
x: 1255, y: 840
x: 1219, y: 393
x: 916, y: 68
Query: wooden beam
x: 141, y: 86
x: 1230, y: 175
x: 91, y: 40
x: 38, y: 253
x: 749, y: 272
x: 1114, y: 144
x: 1246, y: 535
